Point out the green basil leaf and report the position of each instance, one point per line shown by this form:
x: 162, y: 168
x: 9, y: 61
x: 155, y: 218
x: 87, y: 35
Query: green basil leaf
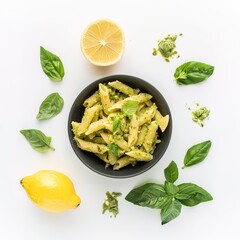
x: 51, y: 65
x: 197, y: 153
x: 37, y: 139
x: 114, y: 149
x: 181, y: 196
x: 149, y: 195
x: 135, y: 195
x: 50, y: 107
x: 130, y: 107
x: 116, y: 124
x: 170, y: 188
x: 196, y: 193
x: 171, y: 172
x: 193, y: 72
x: 171, y: 211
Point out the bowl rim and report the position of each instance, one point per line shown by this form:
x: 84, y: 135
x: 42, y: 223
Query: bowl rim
x: 89, y: 88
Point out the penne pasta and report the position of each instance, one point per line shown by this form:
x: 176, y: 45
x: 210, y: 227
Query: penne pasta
x: 123, y: 162
x: 122, y: 88
x: 87, y: 119
x: 133, y: 131
x: 90, y: 146
x: 150, y: 136
x: 140, y: 155
x: 147, y: 115
x: 141, y: 135
x: 141, y: 97
x: 104, y: 96
x: 117, y: 133
x: 162, y: 121
x: 96, y: 126
x: 92, y: 100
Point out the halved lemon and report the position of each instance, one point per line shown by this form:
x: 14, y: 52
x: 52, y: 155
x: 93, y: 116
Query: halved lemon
x: 102, y: 42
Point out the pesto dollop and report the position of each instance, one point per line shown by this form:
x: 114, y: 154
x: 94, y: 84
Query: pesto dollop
x: 167, y: 47
x: 200, y: 114
x: 111, y: 203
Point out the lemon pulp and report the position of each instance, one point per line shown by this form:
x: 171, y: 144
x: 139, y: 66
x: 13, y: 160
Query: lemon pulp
x: 102, y: 42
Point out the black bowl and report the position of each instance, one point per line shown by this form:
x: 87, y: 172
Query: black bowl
x: 92, y: 161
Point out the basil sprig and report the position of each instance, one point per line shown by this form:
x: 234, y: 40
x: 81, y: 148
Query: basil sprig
x: 38, y: 140
x: 114, y: 149
x: 197, y: 153
x: 51, y: 65
x: 128, y: 109
x: 50, y: 107
x: 168, y: 198
x: 116, y: 124
x: 193, y: 72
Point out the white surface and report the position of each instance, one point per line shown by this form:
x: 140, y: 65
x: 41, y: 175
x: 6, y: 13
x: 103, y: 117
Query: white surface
x: 210, y: 34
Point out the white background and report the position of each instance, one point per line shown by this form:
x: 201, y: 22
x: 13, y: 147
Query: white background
x: 210, y: 34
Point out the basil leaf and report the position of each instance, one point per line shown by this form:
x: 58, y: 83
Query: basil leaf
x: 114, y: 149
x: 130, y: 107
x: 171, y: 211
x: 37, y: 139
x: 149, y: 195
x: 171, y: 189
x: 171, y: 172
x: 194, y: 194
x: 135, y: 195
x: 197, y: 153
x: 51, y: 65
x: 116, y: 124
x: 181, y: 196
x: 50, y: 107
x: 193, y: 72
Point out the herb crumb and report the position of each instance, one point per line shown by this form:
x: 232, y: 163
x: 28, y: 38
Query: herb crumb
x: 111, y: 203
x: 167, y: 47
x: 199, y: 114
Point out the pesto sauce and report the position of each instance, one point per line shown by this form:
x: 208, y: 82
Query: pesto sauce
x: 167, y: 47
x: 200, y: 114
x: 111, y: 203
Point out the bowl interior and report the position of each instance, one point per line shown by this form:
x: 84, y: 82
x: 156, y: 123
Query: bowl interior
x: 92, y: 161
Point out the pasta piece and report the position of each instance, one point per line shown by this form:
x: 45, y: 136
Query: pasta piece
x: 112, y: 159
x: 104, y: 96
x: 141, y: 97
x: 98, y: 140
x: 150, y: 136
x: 149, y: 103
x: 141, y: 135
x: 141, y: 106
x: 121, y: 87
x: 96, y: 126
x: 122, y: 143
x: 97, y: 113
x: 147, y: 115
x: 124, y: 125
x: 106, y: 137
x: 87, y: 119
x: 133, y: 131
x: 108, y: 126
x: 92, y: 100
x: 102, y: 156
x: 162, y: 121
x: 90, y: 146
x: 123, y: 162
x: 75, y: 126
x: 140, y: 155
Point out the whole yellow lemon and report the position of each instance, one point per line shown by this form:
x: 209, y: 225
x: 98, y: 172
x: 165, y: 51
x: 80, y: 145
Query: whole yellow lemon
x: 50, y: 190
